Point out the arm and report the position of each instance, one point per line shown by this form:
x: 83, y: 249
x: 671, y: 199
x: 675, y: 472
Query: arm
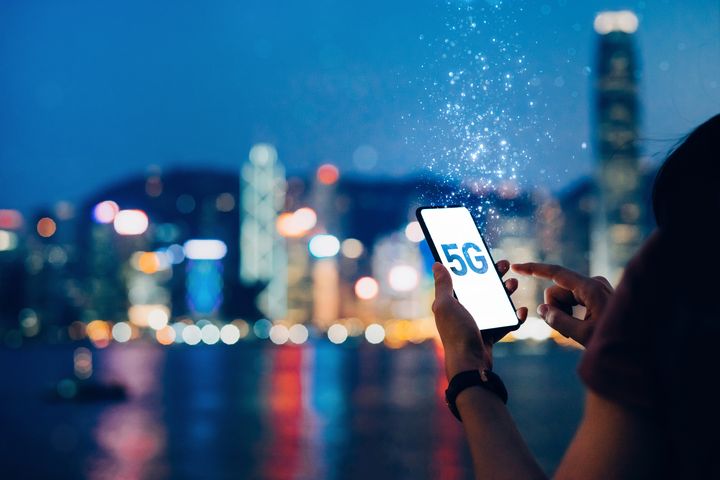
x: 611, y: 442
x: 498, y: 450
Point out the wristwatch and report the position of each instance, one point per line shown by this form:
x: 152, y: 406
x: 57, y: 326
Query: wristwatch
x: 471, y: 378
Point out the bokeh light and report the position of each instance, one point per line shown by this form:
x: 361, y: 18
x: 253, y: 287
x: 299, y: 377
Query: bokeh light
x: 305, y: 217
x: 210, y: 334
x: 366, y: 288
x: 8, y: 241
x: 158, y: 318
x: 298, y: 333
x: 131, y: 222
x: 352, y: 248
x: 533, y: 329
x: 121, y: 332
x: 375, y: 333
x: 10, y: 219
x: 414, y: 232
x: 165, y: 335
x: 191, y: 335
x: 403, y: 278
x: 99, y: 333
x: 46, y: 227
x: 205, y: 249
x: 337, y: 333
x: 261, y: 328
x: 104, y: 212
x: 229, y: 334
x: 279, y: 334
x: 322, y: 246
x: 328, y: 174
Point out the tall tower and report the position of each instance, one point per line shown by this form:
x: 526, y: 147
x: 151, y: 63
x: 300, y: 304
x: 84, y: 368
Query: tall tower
x: 263, y: 255
x: 616, y: 232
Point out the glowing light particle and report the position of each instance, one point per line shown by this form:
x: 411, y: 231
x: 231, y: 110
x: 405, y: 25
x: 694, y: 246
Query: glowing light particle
x: 322, y: 246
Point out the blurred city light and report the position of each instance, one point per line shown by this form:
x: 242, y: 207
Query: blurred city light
x: 121, y: 332
x: 306, y: 218
x: 229, y: 334
x: 262, y: 154
x: 533, y: 329
x: 621, y: 21
x: 165, y: 335
x: 10, y: 219
x: 225, y: 202
x: 178, y: 327
x: 46, y: 227
x: 365, y: 157
x: 175, y: 254
x: 205, y: 249
x: 149, y: 262
x: 414, y: 232
x: 375, y: 333
x: 261, y: 328
x: 191, y: 335
x: 279, y: 334
x: 82, y: 363
x: 99, y: 333
x: 352, y: 248
x: 403, y: 278
x: 242, y: 326
x: 131, y: 222
x: 366, y: 288
x: 298, y: 334
x: 158, y: 318
x: 104, y: 212
x: 297, y: 223
x: 8, y: 241
x: 337, y: 333
x: 322, y: 246
x: 140, y: 315
x: 210, y: 334
x: 328, y: 174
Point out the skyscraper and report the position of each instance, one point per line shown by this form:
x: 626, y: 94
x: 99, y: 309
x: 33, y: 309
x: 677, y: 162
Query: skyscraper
x: 263, y: 255
x: 616, y: 232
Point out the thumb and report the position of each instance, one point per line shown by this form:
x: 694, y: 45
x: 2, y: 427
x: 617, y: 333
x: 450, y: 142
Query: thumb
x: 566, y: 324
x: 443, y: 281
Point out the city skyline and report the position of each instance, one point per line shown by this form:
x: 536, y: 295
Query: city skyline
x: 170, y: 126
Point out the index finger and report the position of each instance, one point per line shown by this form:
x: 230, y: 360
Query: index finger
x: 562, y: 276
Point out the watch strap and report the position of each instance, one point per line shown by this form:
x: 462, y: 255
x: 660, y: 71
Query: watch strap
x: 471, y: 378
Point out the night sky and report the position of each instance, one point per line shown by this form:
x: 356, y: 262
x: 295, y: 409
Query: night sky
x: 94, y: 91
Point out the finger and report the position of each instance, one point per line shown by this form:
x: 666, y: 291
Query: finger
x: 560, y: 297
x: 604, y: 281
x: 511, y: 284
x: 566, y: 324
x: 443, y: 282
x: 564, y: 277
x: 502, y: 267
x: 522, y: 314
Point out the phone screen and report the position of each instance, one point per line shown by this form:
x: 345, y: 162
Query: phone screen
x: 456, y: 243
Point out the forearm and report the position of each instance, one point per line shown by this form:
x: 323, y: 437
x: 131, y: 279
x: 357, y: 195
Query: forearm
x: 497, y: 449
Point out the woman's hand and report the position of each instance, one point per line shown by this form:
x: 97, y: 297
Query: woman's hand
x: 570, y: 289
x: 465, y: 348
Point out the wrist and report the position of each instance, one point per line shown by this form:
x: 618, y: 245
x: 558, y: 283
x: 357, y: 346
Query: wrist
x: 460, y: 359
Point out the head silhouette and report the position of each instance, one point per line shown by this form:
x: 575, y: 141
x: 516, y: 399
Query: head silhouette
x: 686, y: 192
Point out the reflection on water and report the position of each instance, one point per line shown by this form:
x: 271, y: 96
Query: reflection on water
x: 130, y: 437
x: 317, y: 411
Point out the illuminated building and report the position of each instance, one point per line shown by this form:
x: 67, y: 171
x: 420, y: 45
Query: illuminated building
x: 263, y: 255
x: 616, y: 230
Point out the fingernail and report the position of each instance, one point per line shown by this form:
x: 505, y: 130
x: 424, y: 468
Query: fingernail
x: 542, y: 310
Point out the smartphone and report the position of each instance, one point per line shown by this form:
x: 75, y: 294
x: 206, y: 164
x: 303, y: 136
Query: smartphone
x: 455, y: 241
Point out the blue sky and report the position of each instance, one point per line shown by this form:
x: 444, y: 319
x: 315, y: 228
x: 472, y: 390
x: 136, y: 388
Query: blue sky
x: 94, y: 91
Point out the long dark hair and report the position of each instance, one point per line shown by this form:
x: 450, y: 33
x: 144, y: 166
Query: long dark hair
x: 687, y: 186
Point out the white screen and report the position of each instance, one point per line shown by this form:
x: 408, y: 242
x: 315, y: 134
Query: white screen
x: 476, y: 282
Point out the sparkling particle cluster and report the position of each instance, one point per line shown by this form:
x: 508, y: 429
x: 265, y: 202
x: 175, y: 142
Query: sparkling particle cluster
x: 482, y: 108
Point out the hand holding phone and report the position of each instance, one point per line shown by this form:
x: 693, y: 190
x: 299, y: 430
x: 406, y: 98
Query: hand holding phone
x: 455, y: 241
